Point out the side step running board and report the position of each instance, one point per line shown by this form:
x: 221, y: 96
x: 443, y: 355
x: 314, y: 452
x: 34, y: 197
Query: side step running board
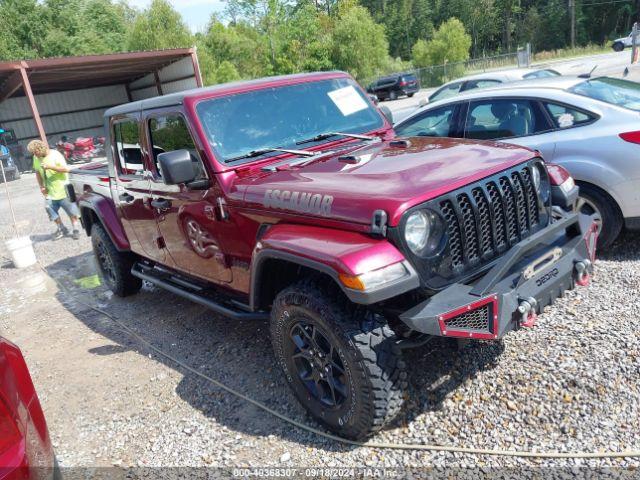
x: 196, y: 297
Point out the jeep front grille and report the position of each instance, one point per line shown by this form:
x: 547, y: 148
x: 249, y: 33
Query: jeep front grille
x: 483, y: 222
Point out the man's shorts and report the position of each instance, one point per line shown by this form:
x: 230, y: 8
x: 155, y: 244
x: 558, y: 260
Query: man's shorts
x: 53, y: 207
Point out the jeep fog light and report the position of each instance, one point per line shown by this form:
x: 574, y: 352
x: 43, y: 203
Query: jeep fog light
x: 375, y: 278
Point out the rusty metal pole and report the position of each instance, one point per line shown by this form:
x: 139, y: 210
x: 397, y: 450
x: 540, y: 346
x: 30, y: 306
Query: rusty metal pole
x: 635, y: 44
x: 26, y: 85
x: 196, y: 67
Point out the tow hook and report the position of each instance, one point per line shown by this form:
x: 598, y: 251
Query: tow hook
x: 527, y: 311
x: 582, y: 272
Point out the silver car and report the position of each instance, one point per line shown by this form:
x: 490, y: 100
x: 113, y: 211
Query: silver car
x: 589, y: 126
x: 489, y: 79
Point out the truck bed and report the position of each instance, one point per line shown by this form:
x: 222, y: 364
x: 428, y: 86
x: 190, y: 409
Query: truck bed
x: 91, y: 177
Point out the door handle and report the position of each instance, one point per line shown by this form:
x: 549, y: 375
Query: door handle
x: 126, y: 198
x: 161, y: 204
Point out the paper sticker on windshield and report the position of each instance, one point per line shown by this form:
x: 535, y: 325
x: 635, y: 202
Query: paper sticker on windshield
x: 565, y: 120
x: 347, y: 100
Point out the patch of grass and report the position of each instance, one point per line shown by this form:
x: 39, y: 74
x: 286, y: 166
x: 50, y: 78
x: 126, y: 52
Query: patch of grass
x: 592, y: 49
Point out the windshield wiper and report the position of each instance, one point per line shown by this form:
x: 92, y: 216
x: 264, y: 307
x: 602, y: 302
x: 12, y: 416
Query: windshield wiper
x: 262, y: 151
x: 324, y: 136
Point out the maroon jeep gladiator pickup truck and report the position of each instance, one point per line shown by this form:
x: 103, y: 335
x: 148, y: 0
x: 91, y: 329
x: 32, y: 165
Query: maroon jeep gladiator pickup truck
x: 290, y: 199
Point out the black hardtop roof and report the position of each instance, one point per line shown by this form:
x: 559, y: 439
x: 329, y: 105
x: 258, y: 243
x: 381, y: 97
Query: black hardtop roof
x: 178, y: 97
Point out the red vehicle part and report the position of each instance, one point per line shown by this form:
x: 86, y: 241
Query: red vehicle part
x: 25, y: 446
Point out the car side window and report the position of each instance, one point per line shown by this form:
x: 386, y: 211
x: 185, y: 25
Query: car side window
x: 503, y: 118
x: 126, y: 134
x: 471, y: 84
x: 169, y: 133
x: 564, y: 116
x: 446, y: 92
x: 434, y: 123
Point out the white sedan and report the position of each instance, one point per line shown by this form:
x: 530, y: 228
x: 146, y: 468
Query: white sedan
x: 589, y: 126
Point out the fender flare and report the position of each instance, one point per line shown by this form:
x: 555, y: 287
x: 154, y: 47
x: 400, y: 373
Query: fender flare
x: 588, y: 170
x: 105, y: 212
x: 331, y: 252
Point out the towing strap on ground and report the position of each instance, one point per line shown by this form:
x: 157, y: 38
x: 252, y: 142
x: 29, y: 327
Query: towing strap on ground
x: 302, y: 426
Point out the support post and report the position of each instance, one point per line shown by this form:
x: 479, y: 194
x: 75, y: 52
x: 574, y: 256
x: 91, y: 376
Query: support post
x: 635, y: 44
x: 196, y: 67
x: 156, y: 75
x: 26, y: 85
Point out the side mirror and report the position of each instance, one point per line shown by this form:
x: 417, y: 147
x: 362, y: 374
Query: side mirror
x: 176, y: 167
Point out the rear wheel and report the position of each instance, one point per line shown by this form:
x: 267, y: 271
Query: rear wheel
x: 618, y: 47
x: 393, y: 95
x: 114, y: 267
x: 410, y: 95
x: 604, y: 210
x: 342, y: 363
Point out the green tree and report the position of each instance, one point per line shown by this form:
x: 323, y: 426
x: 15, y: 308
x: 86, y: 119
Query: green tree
x: 359, y: 45
x: 450, y: 43
x: 158, y: 27
x: 305, y: 41
x: 23, y: 29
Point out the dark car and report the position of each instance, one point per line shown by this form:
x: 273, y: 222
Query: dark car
x: 394, y: 86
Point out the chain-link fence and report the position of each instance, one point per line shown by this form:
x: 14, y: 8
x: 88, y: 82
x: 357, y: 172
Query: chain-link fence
x: 436, y: 75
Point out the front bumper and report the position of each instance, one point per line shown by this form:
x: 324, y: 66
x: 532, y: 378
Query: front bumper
x: 527, y: 278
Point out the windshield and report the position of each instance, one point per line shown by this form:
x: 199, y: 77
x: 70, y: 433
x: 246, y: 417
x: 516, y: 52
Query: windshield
x: 279, y: 117
x: 611, y: 90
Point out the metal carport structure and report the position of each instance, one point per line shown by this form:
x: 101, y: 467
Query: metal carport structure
x: 68, y: 95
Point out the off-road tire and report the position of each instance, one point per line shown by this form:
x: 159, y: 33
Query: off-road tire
x: 611, y: 217
x: 618, y: 47
x: 410, y: 95
x: 365, y: 345
x: 114, y: 267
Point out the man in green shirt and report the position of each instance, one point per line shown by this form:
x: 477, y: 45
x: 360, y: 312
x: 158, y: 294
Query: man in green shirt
x: 52, y: 175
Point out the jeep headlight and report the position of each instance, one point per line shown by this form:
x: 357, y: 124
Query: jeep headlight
x: 540, y: 181
x: 423, y: 232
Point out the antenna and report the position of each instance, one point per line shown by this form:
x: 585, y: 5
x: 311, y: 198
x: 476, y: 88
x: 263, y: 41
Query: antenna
x: 588, y: 75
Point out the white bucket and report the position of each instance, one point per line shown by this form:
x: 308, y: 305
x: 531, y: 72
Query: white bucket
x: 21, y: 250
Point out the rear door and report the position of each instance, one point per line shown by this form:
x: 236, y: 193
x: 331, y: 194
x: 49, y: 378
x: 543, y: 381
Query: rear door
x: 132, y: 195
x: 521, y: 121
x: 187, y: 218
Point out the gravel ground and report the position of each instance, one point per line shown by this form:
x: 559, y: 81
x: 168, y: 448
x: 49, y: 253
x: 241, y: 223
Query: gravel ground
x: 569, y: 384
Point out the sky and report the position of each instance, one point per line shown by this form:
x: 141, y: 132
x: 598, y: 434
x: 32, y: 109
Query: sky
x: 195, y: 12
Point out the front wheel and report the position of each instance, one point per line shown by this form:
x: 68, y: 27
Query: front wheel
x: 342, y: 363
x: 114, y: 267
x: 604, y: 211
x: 618, y: 47
x: 410, y: 95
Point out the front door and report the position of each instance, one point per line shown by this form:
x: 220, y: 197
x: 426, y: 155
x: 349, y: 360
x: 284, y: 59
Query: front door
x: 131, y: 194
x: 187, y: 218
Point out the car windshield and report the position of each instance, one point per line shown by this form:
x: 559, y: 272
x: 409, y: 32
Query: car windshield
x: 542, y: 74
x: 611, y: 90
x: 279, y: 117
